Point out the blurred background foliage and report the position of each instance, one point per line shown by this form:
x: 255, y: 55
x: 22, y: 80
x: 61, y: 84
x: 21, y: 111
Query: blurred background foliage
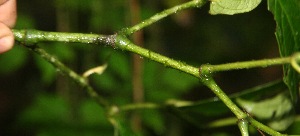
x: 36, y: 100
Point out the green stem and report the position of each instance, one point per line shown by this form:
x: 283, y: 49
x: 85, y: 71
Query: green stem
x: 70, y: 73
x: 165, y: 13
x: 123, y: 43
x: 246, y: 64
x: 30, y: 36
x: 136, y: 106
x: 120, y: 41
x: 223, y: 122
x: 211, y: 84
x: 243, y: 126
x: 295, y: 60
x: 264, y: 128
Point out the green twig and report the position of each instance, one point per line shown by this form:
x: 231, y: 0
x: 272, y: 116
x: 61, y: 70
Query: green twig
x: 264, y: 128
x: 243, y: 126
x: 165, y: 13
x: 124, y: 43
x: 211, y: 84
x: 70, y: 73
x: 30, y: 36
x: 295, y: 60
x: 246, y: 64
x: 242, y: 117
x: 136, y: 106
x: 222, y: 122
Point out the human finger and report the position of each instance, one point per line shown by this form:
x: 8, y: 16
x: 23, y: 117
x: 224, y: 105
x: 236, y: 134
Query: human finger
x: 6, y: 38
x: 8, y: 12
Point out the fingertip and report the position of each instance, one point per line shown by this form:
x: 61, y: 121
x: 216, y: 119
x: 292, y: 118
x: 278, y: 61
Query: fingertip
x: 6, y: 38
x: 6, y: 43
x: 8, y: 11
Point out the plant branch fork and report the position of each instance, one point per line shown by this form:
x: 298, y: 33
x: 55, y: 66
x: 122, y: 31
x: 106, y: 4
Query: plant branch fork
x: 120, y: 41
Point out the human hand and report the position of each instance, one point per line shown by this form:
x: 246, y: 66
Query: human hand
x: 8, y: 15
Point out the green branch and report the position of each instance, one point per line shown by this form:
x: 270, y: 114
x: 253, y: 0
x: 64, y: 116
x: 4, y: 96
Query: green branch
x: 30, y: 36
x: 207, y: 80
x: 264, y: 128
x: 123, y: 43
x: 243, y: 126
x: 204, y: 73
x: 163, y: 14
x: 243, y: 118
x: 70, y: 73
x: 247, y: 64
x: 119, y: 41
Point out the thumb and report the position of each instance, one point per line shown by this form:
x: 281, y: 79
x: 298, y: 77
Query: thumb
x: 6, y: 38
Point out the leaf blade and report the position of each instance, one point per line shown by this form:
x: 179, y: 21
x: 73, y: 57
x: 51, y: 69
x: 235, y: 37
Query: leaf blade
x: 286, y: 14
x: 231, y: 7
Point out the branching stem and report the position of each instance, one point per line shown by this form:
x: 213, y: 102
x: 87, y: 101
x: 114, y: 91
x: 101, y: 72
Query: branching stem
x: 204, y: 73
x: 120, y: 41
x: 124, y: 43
x: 165, y: 13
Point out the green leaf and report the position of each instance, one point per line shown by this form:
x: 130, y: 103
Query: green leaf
x: 269, y: 108
x: 231, y: 7
x: 286, y: 14
x: 202, y: 112
x: 278, y: 109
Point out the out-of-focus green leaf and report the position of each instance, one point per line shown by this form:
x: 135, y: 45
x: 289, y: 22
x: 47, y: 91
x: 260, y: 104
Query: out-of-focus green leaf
x: 286, y: 14
x: 269, y: 108
x: 201, y: 112
x: 231, y: 7
x: 278, y: 109
x: 13, y: 60
x: 281, y: 124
